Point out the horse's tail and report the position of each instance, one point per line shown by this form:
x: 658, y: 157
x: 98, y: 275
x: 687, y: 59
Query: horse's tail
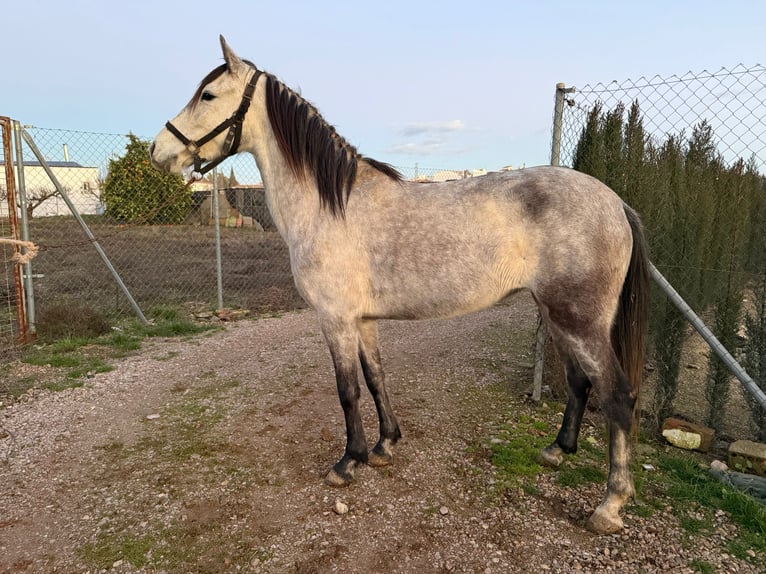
x: 630, y: 327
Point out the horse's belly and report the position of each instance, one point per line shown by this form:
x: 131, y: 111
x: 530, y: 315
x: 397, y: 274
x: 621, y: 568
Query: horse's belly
x: 432, y: 299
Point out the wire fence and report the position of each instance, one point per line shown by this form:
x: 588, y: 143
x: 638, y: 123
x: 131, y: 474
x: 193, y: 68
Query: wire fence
x: 159, y: 236
x: 689, y: 153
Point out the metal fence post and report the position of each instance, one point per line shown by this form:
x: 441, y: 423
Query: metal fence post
x: 29, y: 292
x: 542, y: 332
x: 217, y: 227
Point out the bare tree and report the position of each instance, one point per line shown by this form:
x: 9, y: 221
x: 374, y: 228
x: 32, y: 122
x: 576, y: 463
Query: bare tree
x: 38, y: 195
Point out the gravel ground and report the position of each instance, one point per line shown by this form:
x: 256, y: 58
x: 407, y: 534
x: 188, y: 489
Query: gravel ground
x: 207, y: 455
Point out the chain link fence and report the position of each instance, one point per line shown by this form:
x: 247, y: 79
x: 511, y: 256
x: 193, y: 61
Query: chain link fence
x: 159, y: 238
x: 172, y: 260
x: 689, y: 154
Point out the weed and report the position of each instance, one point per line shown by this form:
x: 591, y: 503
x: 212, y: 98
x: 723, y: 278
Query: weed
x: 66, y: 321
x: 694, y: 525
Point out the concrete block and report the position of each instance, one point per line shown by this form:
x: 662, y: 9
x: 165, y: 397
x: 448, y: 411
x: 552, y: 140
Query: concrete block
x: 748, y: 456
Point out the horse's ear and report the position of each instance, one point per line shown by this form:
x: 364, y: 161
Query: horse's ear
x: 233, y: 61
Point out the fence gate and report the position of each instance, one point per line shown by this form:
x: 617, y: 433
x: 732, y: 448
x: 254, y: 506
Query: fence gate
x: 13, y: 323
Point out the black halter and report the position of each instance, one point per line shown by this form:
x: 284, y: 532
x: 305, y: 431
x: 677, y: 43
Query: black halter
x: 230, y: 145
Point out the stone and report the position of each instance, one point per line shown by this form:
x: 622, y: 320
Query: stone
x: 682, y: 439
x: 748, y: 456
x: 340, y: 507
x: 705, y: 433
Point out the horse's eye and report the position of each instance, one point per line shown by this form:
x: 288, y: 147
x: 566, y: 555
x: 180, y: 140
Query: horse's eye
x: 207, y: 96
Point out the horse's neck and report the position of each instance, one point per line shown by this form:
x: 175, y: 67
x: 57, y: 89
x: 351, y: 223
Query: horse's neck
x: 292, y: 202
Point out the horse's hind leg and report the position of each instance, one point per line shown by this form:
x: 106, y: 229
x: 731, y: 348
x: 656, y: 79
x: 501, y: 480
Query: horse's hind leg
x: 579, y: 387
x: 601, y: 367
x: 619, y: 404
x: 369, y: 357
x: 591, y: 360
x: 343, y: 340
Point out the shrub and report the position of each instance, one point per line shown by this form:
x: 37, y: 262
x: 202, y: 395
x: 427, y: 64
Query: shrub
x: 135, y: 192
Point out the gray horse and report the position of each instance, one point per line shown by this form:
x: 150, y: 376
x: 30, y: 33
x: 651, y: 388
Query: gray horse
x: 367, y: 245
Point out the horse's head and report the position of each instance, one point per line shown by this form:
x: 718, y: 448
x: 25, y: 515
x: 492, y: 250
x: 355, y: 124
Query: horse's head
x: 209, y: 128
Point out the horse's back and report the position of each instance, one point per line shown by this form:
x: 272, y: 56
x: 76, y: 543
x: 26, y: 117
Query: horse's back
x: 420, y: 250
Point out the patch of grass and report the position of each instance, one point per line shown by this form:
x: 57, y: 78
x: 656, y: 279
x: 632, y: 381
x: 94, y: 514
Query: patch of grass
x: 122, y: 344
x: 61, y: 385
x: 89, y: 366
x: 184, y: 430
x: 678, y: 480
x: 699, y: 565
x: 181, y: 546
x: 167, y: 356
x: 694, y: 525
x: 690, y: 486
x: 109, y: 548
x: 640, y: 509
x: 579, y: 475
x: 70, y: 357
x: 83, y: 351
x: 187, y: 454
x: 515, y: 450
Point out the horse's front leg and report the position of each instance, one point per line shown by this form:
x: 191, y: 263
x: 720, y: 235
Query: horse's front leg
x: 343, y: 340
x: 369, y: 357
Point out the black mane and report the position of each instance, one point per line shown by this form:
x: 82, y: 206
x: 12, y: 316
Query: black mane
x: 312, y: 147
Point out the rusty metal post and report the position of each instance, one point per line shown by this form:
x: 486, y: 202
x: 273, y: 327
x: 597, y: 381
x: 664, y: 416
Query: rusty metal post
x: 29, y: 290
x: 13, y: 222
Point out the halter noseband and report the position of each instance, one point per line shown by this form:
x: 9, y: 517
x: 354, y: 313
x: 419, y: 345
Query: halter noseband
x: 231, y: 143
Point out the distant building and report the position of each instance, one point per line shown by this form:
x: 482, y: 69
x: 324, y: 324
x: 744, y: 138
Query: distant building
x: 450, y: 174
x: 80, y: 183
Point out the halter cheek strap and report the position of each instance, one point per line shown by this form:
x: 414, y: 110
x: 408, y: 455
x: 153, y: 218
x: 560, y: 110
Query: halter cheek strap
x: 233, y: 137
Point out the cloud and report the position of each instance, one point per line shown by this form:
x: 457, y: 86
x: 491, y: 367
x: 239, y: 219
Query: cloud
x: 418, y: 148
x: 422, y: 128
x: 428, y: 138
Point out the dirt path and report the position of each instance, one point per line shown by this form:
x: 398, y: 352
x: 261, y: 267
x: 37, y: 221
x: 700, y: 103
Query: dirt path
x: 208, y: 455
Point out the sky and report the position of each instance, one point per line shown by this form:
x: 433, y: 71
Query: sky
x: 449, y: 85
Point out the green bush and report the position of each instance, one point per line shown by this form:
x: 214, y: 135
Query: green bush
x: 135, y: 192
